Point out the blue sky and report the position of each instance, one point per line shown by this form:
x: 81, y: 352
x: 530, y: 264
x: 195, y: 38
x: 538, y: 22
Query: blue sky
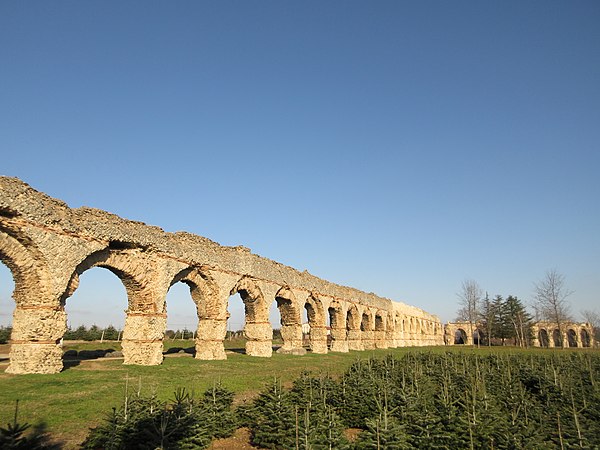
x: 397, y: 147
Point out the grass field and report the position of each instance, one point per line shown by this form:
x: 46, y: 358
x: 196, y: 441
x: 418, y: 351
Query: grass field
x: 70, y: 402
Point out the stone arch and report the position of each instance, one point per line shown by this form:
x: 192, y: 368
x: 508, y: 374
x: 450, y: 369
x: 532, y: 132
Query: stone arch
x: 291, y: 320
x: 367, y: 327
x: 212, y: 320
x: 380, y: 326
x: 543, y: 338
x: 571, y: 337
x: 460, y: 336
x: 585, y: 338
x: 337, y: 320
x: 316, y: 321
x: 145, y: 321
x: 257, y: 329
x: 557, y: 339
x: 129, y: 268
x: 353, y: 333
x: 203, y: 290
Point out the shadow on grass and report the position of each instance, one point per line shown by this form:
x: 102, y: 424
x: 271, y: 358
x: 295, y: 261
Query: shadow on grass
x: 72, y: 358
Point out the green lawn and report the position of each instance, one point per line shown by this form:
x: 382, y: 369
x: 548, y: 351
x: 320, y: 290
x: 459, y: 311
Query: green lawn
x: 80, y: 396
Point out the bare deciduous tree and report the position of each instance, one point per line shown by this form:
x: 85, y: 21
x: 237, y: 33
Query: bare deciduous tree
x: 469, y: 298
x: 551, y: 300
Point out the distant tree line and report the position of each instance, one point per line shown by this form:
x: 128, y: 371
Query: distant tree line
x: 94, y: 333
x: 110, y: 333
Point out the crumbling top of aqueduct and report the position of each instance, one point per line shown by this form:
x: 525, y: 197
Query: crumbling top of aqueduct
x: 27, y: 207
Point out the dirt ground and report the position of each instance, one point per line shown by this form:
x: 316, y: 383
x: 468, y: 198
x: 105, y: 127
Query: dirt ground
x: 239, y: 441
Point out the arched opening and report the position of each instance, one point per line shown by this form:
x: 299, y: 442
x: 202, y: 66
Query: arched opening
x: 557, y: 338
x: 572, y: 338
x: 305, y: 326
x: 585, y: 338
x: 379, y: 323
x: 460, y: 337
x: 337, y: 328
x: 7, y: 304
x: 367, y: 327
x: 364, y: 323
x: 544, y: 338
x: 353, y: 334
x: 317, y: 329
x: 286, y: 321
x: 182, y: 314
x: 332, y: 323
x: 237, y: 312
x: 276, y: 320
x: 258, y: 332
x: 96, y: 310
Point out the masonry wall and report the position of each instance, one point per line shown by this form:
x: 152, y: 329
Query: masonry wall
x: 47, y: 245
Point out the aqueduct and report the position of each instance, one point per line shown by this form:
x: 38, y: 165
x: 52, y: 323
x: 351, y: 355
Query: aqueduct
x: 543, y: 334
x: 48, y: 245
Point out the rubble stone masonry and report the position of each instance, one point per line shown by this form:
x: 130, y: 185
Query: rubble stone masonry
x: 48, y: 245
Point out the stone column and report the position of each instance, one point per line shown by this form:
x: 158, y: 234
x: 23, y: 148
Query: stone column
x: 260, y: 339
x: 209, y: 339
x: 143, y: 338
x: 354, y: 340
x: 368, y: 339
x: 318, y: 339
x: 380, y: 340
x: 292, y: 337
x: 339, y: 342
x: 35, y: 340
x: 390, y: 337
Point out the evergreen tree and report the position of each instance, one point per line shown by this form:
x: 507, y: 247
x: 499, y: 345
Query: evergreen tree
x: 273, y: 419
x: 383, y: 433
x: 520, y: 321
x: 502, y: 324
x: 488, y: 319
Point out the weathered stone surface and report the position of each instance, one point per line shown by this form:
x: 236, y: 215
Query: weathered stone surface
x: 48, y: 245
x: 292, y: 351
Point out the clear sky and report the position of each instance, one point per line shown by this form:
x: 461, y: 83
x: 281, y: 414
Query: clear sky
x: 397, y: 147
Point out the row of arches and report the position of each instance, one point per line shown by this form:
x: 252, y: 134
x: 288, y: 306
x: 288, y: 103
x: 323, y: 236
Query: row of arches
x: 544, y: 334
x: 572, y: 335
x: 43, y: 289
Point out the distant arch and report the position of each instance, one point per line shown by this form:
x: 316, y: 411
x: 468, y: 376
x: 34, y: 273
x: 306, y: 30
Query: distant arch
x: 572, y: 337
x: 352, y: 319
x: 460, y: 337
x: 557, y: 338
x: 544, y: 338
x: 366, y: 322
x: 379, y: 322
x: 336, y: 316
